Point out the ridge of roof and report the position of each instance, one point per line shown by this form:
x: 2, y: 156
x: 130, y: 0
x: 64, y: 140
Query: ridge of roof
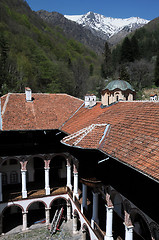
x: 43, y: 94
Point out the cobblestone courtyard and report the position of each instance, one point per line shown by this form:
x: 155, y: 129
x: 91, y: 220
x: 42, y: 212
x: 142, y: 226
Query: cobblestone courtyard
x: 40, y: 232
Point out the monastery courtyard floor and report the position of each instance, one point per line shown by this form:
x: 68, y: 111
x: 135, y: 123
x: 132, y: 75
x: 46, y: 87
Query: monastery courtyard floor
x: 40, y: 232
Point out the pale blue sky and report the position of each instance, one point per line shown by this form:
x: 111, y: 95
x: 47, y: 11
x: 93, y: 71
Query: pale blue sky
x: 110, y: 8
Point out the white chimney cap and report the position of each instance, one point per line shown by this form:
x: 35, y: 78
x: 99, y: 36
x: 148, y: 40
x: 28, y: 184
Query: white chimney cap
x: 90, y: 100
x: 28, y: 94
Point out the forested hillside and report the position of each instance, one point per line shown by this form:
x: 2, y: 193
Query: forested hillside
x: 74, y: 30
x: 136, y: 58
x: 41, y: 57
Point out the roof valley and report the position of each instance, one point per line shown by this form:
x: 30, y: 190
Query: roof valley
x: 5, y: 104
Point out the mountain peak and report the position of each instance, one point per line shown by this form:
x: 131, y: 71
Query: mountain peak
x: 106, y: 27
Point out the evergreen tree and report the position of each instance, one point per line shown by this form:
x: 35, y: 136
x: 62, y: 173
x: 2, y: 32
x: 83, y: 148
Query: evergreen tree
x: 3, y: 60
x: 135, y: 48
x: 124, y: 74
x: 106, y: 67
x: 157, y: 71
x: 126, y: 51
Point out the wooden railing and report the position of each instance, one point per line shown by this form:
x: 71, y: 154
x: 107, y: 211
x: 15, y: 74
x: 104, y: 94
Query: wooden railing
x: 98, y: 231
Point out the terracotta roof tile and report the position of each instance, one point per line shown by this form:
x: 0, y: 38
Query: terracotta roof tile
x: 46, y: 111
x: 134, y: 133
x: 132, y: 137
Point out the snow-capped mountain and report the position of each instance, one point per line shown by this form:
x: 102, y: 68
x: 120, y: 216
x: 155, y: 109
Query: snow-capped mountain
x: 106, y: 27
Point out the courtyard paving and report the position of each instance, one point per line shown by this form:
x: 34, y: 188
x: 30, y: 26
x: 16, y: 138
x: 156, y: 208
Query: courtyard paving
x: 40, y: 232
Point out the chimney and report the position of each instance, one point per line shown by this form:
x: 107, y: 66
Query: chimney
x: 90, y: 100
x: 28, y: 94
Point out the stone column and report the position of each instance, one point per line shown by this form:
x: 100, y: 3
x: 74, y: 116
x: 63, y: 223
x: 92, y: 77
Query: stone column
x: 84, y: 198
x: 69, y: 174
x: 24, y: 191
x: 109, y: 218
x: 74, y: 223
x: 109, y: 224
x: 129, y: 232
x: 24, y: 221
x: 47, y: 185
x: 95, y: 210
x: 23, y: 173
x: 75, y: 190
x: 128, y: 227
x: 68, y: 211
x: 1, y: 197
x: 47, y: 216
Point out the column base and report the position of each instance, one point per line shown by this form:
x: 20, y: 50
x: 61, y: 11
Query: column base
x: 24, y: 194
x: 25, y: 229
x: 47, y: 191
x: 92, y: 223
x: 108, y: 238
x: 70, y: 187
x: 82, y: 209
x: 75, y: 195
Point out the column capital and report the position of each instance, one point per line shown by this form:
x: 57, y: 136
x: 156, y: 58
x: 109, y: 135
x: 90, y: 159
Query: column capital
x: 47, y: 208
x: 24, y: 212
x: 108, y: 200
x: 47, y: 168
x: 127, y: 220
x: 47, y: 164
x: 130, y: 228
x: 23, y: 165
x: 95, y: 191
x: 109, y: 207
x: 68, y: 160
x: 75, y: 169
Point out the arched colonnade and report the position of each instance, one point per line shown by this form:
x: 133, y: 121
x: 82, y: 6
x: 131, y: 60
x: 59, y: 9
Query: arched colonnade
x: 130, y: 222
x: 24, y: 169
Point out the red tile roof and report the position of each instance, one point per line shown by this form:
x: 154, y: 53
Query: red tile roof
x: 46, y: 111
x: 89, y: 137
x: 133, y: 137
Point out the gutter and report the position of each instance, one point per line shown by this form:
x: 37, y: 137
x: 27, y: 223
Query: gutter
x: 110, y: 156
x: 128, y: 165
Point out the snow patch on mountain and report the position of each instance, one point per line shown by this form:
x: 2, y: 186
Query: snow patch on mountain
x: 107, y: 26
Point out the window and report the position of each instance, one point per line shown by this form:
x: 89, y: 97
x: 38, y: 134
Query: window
x: 117, y: 98
x: 4, y: 179
x: 13, y: 177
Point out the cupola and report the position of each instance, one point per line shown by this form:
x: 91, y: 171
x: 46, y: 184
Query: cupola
x: 117, y: 90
